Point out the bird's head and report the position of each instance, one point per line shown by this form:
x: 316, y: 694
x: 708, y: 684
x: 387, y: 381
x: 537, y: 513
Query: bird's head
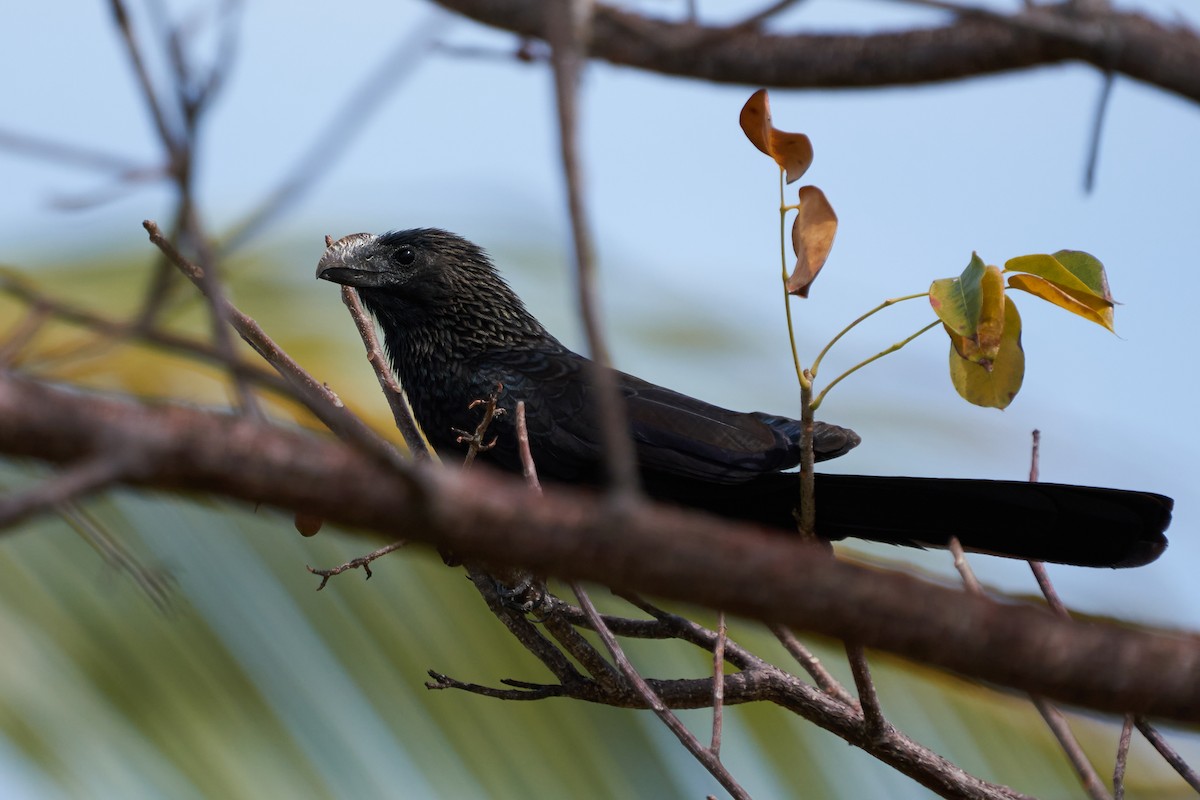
x: 424, y: 280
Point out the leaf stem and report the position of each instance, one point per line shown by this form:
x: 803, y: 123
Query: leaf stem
x: 804, y: 380
x: 816, y: 403
x: 817, y: 363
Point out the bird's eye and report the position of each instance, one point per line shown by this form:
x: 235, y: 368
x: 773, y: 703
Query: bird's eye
x: 405, y: 256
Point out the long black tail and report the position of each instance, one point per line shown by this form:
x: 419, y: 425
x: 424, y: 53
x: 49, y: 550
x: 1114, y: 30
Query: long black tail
x: 1077, y: 525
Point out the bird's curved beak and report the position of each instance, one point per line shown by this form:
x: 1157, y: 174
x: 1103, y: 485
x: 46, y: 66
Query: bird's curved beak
x: 352, y: 261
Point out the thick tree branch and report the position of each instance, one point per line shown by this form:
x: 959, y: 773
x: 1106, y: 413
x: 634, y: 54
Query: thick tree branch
x: 969, y: 46
x: 658, y: 550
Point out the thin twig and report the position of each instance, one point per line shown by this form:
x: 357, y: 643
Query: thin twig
x: 812, y: 665
x: 316, y: 396
x: 527, y: 692
x: 396, y: 400
x: 527, y: 466
x: 1039, y: 569
x: 707, y: 758
x: 1093, y: 156
x: 362, y: 562
x: 154, y: 337
x: 155, y: 582
x: 22, y: 334
x: 346, y: 122
x: 1035, y: 455
x: 166, y: 131
x: 624, y: 627
x: 560, y: 625
x: 718, y: 685
x: 1122, y: 758
x: 218, y: 306
x: 1167, y: 752
x: 1057, y: 723
x: 568, y: 29
x: 76, y: 480
x: 1088, y: 776
x: 964, y: 567
x: 66, y: 153
x: 1043, y: 581
x: 806, y: 522
x: 607, y: 677
x: 875, y: 724
x: 177, y: 133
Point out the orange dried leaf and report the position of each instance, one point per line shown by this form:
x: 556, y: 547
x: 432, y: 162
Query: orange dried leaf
x: 755, y: 120
x: 812, y: 239
x: 793, y: 152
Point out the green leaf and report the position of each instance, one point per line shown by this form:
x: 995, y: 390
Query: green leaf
x: 971, y: 307
x: 1047, y: 267
x: 1070, y: 279
x: 1088, y: 269
x: 957, y: 301
x: 996, y: 383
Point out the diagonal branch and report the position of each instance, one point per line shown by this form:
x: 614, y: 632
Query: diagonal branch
x: 659, y: 550
x: 401, y: 413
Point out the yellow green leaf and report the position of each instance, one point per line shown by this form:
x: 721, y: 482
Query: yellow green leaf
x: 995, y: 385
x: 1047, y: 267
x: 793, y: 152
x: 1088, y: 269
x: 812, y: 238
x: 1083, y: 303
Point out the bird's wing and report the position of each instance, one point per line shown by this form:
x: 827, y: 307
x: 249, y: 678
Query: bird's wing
x: 681, y: 435
x: 674, y: 434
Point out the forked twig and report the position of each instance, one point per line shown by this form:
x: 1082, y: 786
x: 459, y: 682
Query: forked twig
x: 477, y: 441
x: 707, y: 757
x: 875, y: 724
x: 812, y: 665
x: 362, y: 562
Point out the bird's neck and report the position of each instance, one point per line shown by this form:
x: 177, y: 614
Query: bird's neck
x: 438, y: 361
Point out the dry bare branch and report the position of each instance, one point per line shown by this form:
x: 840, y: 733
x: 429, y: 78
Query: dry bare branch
x: 659, y: 550
x: 969, y: 46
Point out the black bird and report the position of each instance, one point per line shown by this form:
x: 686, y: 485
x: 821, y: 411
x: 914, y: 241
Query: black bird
x: 454, y: 330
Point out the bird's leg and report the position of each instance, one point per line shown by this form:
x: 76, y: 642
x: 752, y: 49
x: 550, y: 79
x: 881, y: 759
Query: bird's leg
x: 523, y: 592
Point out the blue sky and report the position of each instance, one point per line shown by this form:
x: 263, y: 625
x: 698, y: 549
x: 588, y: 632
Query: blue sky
x: 683, y: 209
